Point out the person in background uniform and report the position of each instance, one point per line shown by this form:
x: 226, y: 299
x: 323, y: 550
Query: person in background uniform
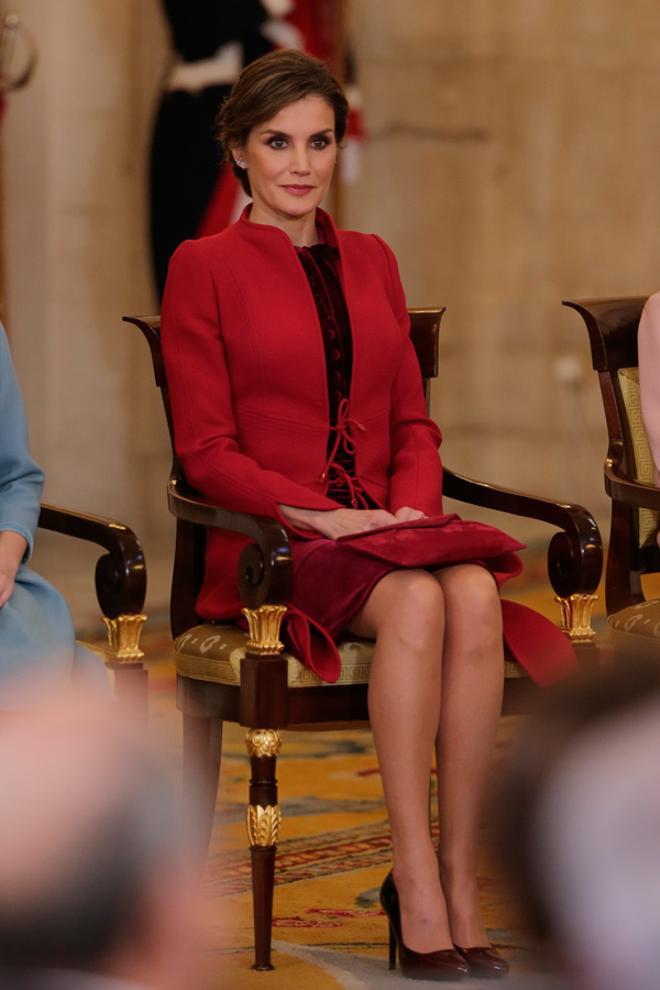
x: 36, y: 629
x: 192, y: 193
x: 213, y: 40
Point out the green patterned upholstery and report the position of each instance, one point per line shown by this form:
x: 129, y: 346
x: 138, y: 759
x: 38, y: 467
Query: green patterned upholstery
x: 214, y: 652
x: 648, y: 521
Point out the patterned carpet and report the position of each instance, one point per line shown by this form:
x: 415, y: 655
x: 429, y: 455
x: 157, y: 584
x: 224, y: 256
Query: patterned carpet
x: 329, y: 930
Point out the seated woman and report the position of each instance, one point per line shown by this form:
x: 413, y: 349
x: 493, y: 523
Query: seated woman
x: 296, y: 394
x: 37, y: 640
x: 648, y: 346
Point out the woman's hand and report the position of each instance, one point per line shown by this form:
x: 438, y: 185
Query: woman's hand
x: 338, y: 522
x: 12, y: 551
x: 406, y: 514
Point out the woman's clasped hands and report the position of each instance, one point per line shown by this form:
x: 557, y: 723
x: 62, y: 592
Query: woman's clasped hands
x: 334, y: 523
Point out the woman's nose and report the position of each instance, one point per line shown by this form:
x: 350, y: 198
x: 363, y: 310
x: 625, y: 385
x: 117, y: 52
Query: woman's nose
x: 300, y: 161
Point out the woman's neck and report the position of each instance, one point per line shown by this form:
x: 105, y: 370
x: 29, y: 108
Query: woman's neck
x: 301, y: 230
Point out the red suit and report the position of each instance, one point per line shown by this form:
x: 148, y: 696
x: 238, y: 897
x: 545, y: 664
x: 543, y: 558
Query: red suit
x: 247, y: 381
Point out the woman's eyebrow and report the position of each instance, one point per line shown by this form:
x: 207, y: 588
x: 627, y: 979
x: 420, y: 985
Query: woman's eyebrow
x: 283, y: 134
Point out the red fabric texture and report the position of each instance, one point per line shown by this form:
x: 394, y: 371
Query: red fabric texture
x: 247, y: 383
x: 333, y: 579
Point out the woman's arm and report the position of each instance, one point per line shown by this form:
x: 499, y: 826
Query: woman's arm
x: 200, y: 395
x: 648, y: 344
x: 21, y: 480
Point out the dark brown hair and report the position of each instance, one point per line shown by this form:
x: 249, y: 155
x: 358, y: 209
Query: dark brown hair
x: 268, y: 85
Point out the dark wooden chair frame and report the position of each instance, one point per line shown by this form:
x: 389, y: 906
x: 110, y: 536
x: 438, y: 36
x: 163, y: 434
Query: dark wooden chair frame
x: 612, y: 326
x: 121, y: 582
x: 263, y: 702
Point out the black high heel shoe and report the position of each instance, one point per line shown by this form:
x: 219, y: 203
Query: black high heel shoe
x: 444, y: 964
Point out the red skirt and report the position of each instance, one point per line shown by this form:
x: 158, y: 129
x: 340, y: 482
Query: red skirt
x: 333, y: 579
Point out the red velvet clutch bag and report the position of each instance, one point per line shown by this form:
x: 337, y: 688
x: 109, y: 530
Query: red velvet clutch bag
x: 440, y: 540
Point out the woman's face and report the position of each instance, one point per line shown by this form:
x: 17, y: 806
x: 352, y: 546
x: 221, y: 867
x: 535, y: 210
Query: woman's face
x: 290, y: 158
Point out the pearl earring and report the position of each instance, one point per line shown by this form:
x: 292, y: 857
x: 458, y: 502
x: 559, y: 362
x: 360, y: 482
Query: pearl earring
x: 240, y: 163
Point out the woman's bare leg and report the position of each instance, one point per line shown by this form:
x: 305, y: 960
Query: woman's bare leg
x: 405, y: 615
x: 472, y: 683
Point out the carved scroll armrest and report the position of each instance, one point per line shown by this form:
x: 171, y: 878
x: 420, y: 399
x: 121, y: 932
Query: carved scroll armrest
x: 575, y: 555
x: 121, y: 577
x: 265, y: 569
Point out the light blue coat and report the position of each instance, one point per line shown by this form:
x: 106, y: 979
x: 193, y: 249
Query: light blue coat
x: 36, y: 630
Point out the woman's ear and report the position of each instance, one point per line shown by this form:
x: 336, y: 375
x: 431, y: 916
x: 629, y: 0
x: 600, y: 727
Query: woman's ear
x: 238, y: 155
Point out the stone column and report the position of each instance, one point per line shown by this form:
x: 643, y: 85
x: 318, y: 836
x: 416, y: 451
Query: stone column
x: 75, y: 228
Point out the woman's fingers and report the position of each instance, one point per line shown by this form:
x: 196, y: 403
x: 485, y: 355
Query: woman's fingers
x: 378, y: 518
x: 407, y: 514
x: 6, y: 588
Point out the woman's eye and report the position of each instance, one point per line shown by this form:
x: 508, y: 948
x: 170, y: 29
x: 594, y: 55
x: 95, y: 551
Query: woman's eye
x: 277, y: 142
x: 319, y: 143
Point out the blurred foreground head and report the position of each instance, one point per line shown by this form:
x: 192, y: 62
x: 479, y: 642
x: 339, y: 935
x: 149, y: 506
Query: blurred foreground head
x: 579, y: 825
x: 93, y: 869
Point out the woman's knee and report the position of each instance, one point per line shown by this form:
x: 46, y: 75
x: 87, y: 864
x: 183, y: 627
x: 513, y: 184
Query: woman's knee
x: 416, y: 607
x: 471, y: 588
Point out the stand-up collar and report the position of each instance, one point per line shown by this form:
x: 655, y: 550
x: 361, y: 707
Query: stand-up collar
x: 260, y: 230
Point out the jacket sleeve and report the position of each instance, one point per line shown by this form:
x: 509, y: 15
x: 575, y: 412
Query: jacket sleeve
x: 415, y: 469
x: 200, y: 395
x: 21, y: 480
x: 648, y: 345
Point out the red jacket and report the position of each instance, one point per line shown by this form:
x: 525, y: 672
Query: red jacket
x: 247, y: 381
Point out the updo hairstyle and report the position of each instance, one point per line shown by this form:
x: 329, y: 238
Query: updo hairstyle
x: 265, y: 87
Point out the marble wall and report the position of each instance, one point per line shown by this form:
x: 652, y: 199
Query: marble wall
x: 75, y: 147
x: 512, y: 161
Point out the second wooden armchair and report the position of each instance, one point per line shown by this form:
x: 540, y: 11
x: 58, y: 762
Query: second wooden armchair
x: 224, y: 674
x: 633, y: 551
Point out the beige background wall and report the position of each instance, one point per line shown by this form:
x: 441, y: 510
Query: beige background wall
x: 75, y: 147
x: 513, y: 160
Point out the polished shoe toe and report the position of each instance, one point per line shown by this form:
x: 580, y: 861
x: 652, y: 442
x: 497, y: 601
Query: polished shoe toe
x: 484, y: 961
x: 443, y: 964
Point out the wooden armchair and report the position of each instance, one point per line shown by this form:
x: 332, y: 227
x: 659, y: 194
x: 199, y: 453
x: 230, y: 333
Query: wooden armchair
x: 629, y: 475
x: 121, y: 582
x: 224, y: 674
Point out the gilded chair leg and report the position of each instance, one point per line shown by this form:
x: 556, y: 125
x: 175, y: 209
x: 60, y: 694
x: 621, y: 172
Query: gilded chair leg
x: 202, y: 749
x: 576, y: 623
x: 263, y: 821
x: 131, y: 679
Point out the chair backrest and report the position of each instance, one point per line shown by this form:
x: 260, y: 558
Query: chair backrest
x: 612, y: 325
x: 188, y: 568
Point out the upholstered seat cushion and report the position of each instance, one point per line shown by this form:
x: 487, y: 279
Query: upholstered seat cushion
x: 214, y: 653
x: 649, y: 521
x: 642, y: 619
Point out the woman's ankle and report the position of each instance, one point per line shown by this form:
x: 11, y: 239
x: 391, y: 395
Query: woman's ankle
x: 414, y: 866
